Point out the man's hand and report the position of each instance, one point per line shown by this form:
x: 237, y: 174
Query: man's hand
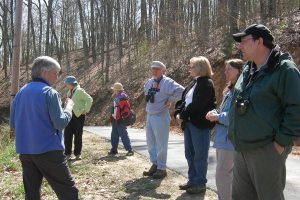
x: 69, y: 104
x: 178, y: 120
x: 278, y: 148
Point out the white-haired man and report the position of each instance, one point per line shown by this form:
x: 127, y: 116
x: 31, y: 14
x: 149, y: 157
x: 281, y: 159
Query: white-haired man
x: 38, y: 120
x: 160, y: 91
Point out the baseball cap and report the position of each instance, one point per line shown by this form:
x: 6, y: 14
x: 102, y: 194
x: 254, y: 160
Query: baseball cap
x: 257, y: 30
x: 158, y: 64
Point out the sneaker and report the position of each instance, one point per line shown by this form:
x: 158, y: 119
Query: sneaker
x: 113, y: 152
x: 68, y: 157
x: 78, y: 157
x: 159, y: 174
x: 151, y: 171
x: 130, y: 153
x: 196, y: 189
x: 185, y: 186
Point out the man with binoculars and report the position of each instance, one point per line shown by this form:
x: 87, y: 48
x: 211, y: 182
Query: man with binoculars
x: 160, y: 91
x: 265, y: 116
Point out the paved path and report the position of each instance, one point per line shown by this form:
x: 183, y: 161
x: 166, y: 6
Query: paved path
x: 176, y: 160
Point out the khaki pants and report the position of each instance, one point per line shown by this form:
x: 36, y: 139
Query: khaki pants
x: 224, y: 173
x: 259, y: 174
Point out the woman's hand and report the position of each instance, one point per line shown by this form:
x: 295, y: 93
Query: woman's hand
x: 212, y: 116
x: 178, y: 120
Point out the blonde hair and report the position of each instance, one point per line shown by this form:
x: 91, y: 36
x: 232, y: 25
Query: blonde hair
x: 202, y: 65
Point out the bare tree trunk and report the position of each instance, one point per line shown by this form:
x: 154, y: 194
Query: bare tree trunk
x: 222, y: 13
x: 93, y: 43
x: 58, y: 54
x: 5, y: 38
x: 271, y: 8
x: 243, y: 12
x: 28, y: 38
x: 120, y: 34
x: 205, y: 22
x: 233, y: 18
x: 109, y: 8
x: 11, y: 35
x: 40, y: 28
x: 142, y: 29
x: 149, y: 21
x: 83, y: 32
x: 16, y: 51
x: 47, y: 45
x: 263, y: 11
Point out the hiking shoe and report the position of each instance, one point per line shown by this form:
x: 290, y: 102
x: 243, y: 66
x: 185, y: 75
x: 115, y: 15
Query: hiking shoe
x: 151, y: 171
x: 185, y: 186
x: 159, y: 174
x: 130, y: 153
x: 196, y: 189
x: 112, y: 152
x: 78, y: 157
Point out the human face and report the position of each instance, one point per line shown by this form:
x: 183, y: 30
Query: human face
x: 50, y: 76
x: 192, y: 70
x: 231, y: 73
x: 248, y: 47
x: 69, y: 86
x: 156, y: 72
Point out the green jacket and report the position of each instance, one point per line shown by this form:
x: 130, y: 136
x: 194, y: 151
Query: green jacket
x: 82, y: 101
x: 273, y: 111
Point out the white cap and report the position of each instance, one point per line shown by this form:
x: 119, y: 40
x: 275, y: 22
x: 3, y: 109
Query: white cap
x: 158, y: 64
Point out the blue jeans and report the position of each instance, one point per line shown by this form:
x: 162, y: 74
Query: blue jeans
x: 196, y: 145
x: 157, y: 133
x: 119, y: 130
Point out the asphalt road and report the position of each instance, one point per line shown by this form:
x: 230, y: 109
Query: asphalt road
x: 177, y: 162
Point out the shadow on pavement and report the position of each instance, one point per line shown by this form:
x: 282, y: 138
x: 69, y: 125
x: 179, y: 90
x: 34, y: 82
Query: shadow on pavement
x: 186, y: 196
x: 144, y: 187
x: 111, y: 158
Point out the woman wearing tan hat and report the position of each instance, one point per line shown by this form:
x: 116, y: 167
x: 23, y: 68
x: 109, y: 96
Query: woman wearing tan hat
x: 120, y: 109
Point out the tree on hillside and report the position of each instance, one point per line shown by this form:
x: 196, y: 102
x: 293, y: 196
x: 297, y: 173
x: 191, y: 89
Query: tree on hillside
x: 116, y: 33
x: 83, y: 32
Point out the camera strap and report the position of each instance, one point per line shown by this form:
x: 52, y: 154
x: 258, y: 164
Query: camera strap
x: 155, y: 84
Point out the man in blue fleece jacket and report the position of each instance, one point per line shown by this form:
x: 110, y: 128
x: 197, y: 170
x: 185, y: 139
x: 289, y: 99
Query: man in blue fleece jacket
x: 38, y: 120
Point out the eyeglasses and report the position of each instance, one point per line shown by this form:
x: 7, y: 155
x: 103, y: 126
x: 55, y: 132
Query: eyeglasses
x: 244, y: 40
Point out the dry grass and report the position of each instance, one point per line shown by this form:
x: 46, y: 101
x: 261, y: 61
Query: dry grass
x: 99, y: 176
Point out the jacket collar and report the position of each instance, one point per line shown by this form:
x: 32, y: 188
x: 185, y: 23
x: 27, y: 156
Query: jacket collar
x: 271, y: 64
x: 39, y: 79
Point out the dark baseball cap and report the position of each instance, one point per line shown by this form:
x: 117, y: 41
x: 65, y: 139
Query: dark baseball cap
x: 257, y: 30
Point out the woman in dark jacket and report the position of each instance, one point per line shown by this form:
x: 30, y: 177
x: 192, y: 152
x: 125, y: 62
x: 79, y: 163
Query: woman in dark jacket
x: 197, y: 99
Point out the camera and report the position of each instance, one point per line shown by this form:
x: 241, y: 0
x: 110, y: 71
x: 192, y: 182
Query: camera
x: 241, y: 106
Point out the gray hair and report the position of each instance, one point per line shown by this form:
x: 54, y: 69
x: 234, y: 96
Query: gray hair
x: 43, y: 63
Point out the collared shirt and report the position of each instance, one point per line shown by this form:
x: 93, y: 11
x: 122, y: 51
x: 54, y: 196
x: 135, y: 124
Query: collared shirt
x: 169, y: 90
x: 189, y: 96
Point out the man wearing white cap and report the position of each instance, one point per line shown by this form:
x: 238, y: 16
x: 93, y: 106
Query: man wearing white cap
x: 160, y: 91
